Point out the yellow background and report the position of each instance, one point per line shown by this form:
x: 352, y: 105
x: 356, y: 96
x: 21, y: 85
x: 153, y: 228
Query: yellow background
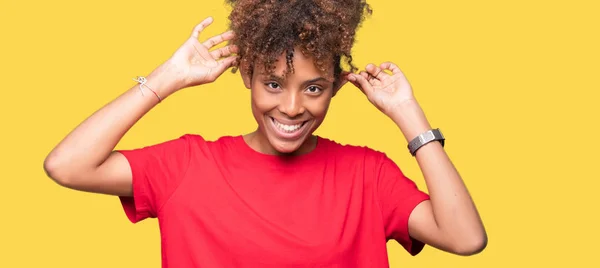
x: 513, y: 85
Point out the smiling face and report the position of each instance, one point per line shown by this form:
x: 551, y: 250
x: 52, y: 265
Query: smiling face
x: 289, y: 107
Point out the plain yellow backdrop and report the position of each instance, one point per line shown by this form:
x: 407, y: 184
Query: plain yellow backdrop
x: 512, y: 84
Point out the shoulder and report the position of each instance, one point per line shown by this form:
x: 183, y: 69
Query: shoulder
x: 183, y: 144
x: 207, y: 146
x: 194, y: 139
x: 354, y: 152
x: 375, y: 165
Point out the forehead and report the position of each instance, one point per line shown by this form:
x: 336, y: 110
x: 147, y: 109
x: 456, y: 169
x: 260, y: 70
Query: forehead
x: 304, y: 68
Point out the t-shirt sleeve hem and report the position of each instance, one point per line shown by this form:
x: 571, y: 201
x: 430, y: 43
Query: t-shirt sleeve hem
x: 136, y: 207
x: 133, y: 214
x: 411, y: 245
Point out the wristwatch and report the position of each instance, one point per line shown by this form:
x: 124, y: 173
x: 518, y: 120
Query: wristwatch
x: 424, y: 138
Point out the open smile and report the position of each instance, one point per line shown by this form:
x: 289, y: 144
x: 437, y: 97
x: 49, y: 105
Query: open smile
x: 288, y: 130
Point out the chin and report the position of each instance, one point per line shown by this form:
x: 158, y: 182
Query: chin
x: 286, y: 150
x: 284, y: 146
x: 287, y: 143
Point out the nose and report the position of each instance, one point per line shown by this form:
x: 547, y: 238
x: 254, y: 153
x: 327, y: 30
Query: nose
x: 291, y: 104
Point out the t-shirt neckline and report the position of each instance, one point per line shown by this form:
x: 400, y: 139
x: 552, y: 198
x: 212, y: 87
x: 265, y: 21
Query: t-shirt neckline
x: 282, y: 160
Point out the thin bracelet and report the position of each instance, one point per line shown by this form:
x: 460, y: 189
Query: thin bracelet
x: 142, y: 80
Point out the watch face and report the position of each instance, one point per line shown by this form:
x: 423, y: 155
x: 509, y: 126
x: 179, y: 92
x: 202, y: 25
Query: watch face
x: 424, y: 138
x: 428, y: 136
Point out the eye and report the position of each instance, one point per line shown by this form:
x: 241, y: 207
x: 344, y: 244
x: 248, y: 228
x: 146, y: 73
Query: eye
x: 272, y: 85
x: 314, y: 90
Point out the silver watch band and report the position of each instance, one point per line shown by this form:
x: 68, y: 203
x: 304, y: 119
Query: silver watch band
x: 424, y: 138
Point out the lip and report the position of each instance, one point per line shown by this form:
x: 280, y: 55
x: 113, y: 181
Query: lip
x: 286, y: 135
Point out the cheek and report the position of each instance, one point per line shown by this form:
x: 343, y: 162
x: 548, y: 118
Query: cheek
x: 262, y: 101
x: 318, y: 107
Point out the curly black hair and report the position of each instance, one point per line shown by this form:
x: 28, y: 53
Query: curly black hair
x: 322, y: 29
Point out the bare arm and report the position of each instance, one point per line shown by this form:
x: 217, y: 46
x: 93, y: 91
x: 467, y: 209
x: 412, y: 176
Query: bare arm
x: 85, y: 159
x: 449, y: 221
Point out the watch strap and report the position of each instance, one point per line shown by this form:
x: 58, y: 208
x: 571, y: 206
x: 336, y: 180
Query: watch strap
x: 425, y: 138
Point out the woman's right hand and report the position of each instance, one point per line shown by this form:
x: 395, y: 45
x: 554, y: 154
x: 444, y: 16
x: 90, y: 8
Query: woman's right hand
x: 196, y: 64
x: 85, y: 159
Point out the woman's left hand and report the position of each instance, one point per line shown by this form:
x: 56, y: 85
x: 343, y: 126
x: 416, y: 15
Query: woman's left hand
x: 386, y: 91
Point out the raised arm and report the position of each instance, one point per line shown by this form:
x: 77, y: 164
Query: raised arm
x: 449, y: 221
x: 85, y: 159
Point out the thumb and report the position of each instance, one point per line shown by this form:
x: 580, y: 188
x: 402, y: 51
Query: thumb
x: 361, y: 83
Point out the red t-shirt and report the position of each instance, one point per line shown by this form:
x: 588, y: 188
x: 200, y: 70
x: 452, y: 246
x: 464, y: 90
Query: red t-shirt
x: 222, y: 204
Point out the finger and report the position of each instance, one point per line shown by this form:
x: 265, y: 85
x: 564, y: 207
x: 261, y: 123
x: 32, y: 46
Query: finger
x: 365, y: 75
x: 368, y: 77
x: 224, y: 52
x: 352, y: 80
x: 363, y: 84
x: 343, y: 77
x: 392, y: 67
x: 218, y: 39
x: 376, y: 72
x: 225, y: 64
x: 200, y: 27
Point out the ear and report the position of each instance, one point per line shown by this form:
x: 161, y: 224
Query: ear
x: 246, y: 77
x: 340, y: 82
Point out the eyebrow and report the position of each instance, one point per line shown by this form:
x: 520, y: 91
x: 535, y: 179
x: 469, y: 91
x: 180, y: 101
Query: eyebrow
x: 316, y: 80
x: 281, y: 79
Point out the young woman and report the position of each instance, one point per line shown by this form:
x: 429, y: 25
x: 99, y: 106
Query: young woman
x: 279, y: 196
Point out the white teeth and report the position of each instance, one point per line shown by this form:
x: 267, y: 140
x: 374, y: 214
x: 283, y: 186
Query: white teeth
x: 287, y: 128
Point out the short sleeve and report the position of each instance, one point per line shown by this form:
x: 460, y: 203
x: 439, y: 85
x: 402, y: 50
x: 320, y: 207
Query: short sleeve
x: 398, y: 196
x: 157, y: 171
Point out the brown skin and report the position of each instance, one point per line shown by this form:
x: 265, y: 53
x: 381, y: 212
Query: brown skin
x: 84, y: 160
x: 448, y: 221
x: 282, y: 45
x: 303, y: 96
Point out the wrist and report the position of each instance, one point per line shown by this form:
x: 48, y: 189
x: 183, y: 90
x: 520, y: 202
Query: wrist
x: 166, y: 79
x: 410, y: 118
